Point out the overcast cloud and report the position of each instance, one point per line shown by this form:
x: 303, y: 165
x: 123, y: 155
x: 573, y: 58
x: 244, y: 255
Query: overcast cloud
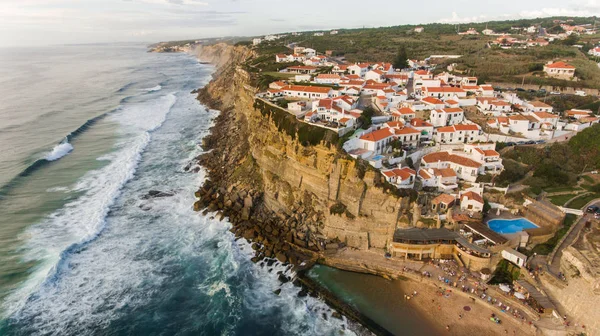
x: 35, y: 22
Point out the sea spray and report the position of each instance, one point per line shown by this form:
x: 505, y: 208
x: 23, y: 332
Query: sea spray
x: 59, y: 151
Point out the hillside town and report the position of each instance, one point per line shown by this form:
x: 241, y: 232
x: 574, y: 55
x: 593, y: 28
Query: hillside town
x: 440, y: 133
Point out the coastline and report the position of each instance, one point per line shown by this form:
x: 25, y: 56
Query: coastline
x: 273, y: 234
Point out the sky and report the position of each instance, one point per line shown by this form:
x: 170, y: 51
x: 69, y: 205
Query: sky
x: 48, y: 22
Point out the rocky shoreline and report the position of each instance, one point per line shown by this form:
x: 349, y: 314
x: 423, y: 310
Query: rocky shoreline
x: 275, y: 236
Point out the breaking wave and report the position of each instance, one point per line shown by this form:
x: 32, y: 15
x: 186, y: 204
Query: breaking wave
x: 59, y: 151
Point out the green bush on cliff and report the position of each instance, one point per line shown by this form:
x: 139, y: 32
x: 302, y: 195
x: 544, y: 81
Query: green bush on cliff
x: 338, y: 208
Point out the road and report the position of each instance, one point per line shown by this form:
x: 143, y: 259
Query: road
x: 554, y: 265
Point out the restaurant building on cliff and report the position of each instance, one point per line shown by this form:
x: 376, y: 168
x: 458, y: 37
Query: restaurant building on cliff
x: 440, y: 243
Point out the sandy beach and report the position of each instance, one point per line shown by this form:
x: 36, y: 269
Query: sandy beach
x: 447, y: 311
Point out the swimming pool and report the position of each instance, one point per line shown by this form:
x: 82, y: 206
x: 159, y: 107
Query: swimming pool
x: 510, y: 225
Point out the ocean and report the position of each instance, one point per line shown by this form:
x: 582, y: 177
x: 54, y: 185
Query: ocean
x: 86, y: 133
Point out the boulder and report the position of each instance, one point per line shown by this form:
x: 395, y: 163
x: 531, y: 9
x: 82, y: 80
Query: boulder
x: 281, y: 257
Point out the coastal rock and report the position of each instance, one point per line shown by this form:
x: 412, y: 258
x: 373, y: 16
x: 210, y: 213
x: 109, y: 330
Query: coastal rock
x: 281, y: 257
x: 157, y: 194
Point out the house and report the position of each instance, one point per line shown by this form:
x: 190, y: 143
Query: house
x: 283, y: 58
x: 333, y: 32
x: 465, y: 168
x: 302, y: 78
x: 444, y: 179
x: 402, y: 178
x: 319, y: 34
x: 538, y: 106
x: 309, y: 52
x: 422, y: 74
x: 471, y: 201
x: 376, y: 141
x: 546, y: 118
x: 423, y: 126
x: 514, y: 257
x: 486, y: 91
x: 302, y: 69
x: 594, y: 52
x: 442, y: 203
x: 434, y: 103
x: 560, y: 70
x: 256, y: 41
x: 328, y: 79
x: 451, y: 103
x: 470, y: 31
x: 358, y: 69
x: 307, y: 92
x: 487, y: 32
x: 456, y: 134
x: 493, y: 106
x: 418, y: 29
x: 398, y: 78
x: 408, y: 135
x: 346, y: 102
x: 486, y: 154
x: 578, y: 114
x: 274, y: 93
x: 339, y: 68
x: 376, y: 75
x: 443, y: 92
x: 446, y: 117
x: 404, y: 114
x: 277, y: 85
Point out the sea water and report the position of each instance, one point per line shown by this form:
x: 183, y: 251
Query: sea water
x: 85, y: 133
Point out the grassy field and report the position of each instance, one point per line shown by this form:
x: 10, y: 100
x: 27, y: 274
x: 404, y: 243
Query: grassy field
x: 560, y: 200
x: 580, y: 202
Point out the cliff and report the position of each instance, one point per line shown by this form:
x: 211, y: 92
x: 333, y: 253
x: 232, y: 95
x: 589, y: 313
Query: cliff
x: 312, y: 195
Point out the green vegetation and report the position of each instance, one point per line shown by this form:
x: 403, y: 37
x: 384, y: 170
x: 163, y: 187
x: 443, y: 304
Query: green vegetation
x: 553, y: 166
x: 547, y: 247
x: 560, y: 200
x: 305, y: 133
x: 338, y: 208
x: 506, y: 272
x: 581, y: 201
x: 365, y: 118
x: 401, y: 60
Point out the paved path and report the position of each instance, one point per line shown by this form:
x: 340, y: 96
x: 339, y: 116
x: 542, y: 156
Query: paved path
x: 554, y: 264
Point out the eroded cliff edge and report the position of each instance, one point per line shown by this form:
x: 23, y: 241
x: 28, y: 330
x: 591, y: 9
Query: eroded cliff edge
x: 281, y: 192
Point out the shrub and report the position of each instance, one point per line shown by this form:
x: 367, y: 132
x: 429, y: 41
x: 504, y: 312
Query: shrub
x: 338, y: 208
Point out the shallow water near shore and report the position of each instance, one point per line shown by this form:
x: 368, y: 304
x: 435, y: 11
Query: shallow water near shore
x: 83, y: 250
x: 379, y: 299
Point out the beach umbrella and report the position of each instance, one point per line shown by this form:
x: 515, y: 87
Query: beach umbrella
x: 467, y: 308
x: 519, y: 296
x: 504, y: 288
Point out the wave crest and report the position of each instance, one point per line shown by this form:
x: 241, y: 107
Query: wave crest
x: 59, y: 151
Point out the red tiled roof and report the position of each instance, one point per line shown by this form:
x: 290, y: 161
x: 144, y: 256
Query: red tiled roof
x: 328, y: 76
x: 377, y: 135
x: 407, y: 130
x: 443, y: 198
x: 406, y: 110
x: 418, y: 122
x: 432, y: 100
x: 560, y: 65
x: 446, y: 157
x: 468, y: 127
x: 303, y: 88
x: 473, y: 196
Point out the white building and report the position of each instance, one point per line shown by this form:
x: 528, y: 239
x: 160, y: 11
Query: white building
x: 457, y: 134
x: 471, y: 201
x: 402, y: 178
x: 465, y: 168
x: 446, y: 117
x: 376, y: 141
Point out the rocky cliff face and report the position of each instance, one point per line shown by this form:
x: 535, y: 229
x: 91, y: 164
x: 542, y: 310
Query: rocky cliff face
x: 296, y: 184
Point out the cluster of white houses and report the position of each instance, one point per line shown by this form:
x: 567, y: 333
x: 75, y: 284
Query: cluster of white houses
x: 430, y: 120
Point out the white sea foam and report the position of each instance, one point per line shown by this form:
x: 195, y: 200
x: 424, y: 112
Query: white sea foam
x: 84, y: 218
x: 59, y: 151
x: 153, y: 89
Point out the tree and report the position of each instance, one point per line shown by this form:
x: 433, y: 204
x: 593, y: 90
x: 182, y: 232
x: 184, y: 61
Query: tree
x: 401, y: 61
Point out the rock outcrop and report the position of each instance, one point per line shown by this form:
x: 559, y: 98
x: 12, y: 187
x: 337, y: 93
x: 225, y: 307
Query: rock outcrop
x: 278, y: 191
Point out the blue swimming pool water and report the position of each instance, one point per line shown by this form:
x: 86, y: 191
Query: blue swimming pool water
x: 377, y: 158
x: 510, y: 225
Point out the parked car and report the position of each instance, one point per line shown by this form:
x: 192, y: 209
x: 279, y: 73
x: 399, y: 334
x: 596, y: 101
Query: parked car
x: 556, y: 93
x: 510, y: 144
x: 539, y: 142
x: 592, y: 208
x: 521, y: 89
x: 594, y: 172
x: 580, y: 93
x: 530, y: 142
x: 543, y: 91
x: 521, y: 142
